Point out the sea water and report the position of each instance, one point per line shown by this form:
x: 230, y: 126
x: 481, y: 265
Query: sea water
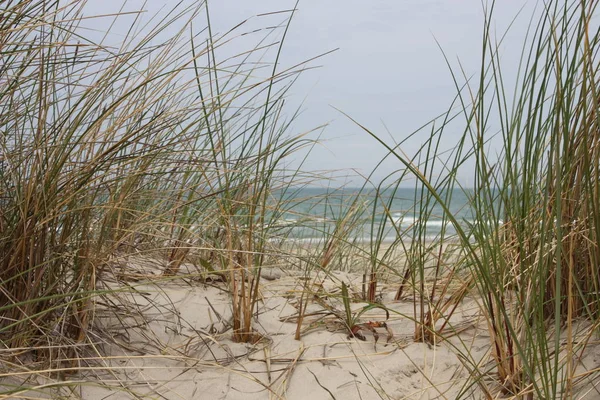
x: 308, y: 214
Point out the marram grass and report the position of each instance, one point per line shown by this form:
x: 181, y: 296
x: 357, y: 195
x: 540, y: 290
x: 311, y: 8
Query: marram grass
x: 533, y: 256
x: 158, y: 149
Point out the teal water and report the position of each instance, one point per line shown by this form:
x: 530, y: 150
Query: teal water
x: 312, y: 213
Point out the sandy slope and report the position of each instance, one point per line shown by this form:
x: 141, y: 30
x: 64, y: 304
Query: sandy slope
x: 171, y: 340
x: 184, y: 350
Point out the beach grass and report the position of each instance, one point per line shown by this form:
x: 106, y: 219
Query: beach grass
x: 142, y: 149
x: 533, y: 254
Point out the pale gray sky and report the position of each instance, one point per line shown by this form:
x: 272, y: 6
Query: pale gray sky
x: 388, y: 69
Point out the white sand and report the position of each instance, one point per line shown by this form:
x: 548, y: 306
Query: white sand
x: 181, y: 348
x: 190, y: 358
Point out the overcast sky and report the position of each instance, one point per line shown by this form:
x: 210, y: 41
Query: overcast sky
x: 388, y: 73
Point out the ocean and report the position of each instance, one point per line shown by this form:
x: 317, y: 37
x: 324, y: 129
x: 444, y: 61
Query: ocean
x: 309, y: 214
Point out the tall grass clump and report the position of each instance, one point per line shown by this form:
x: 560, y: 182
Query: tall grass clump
x: 544, y: 258
x: 532, y: 252
x: 151, y: 146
